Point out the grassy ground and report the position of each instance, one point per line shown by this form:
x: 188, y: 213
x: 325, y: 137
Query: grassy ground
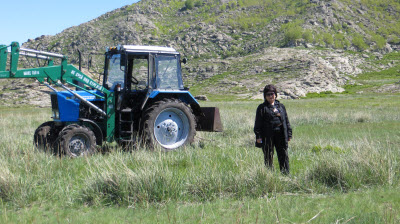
x: 344, y: 169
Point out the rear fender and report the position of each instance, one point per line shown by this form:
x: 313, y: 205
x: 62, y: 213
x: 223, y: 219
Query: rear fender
x: 184, y: 96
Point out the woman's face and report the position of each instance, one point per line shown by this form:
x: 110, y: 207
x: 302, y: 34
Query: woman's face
x: 270, y: 97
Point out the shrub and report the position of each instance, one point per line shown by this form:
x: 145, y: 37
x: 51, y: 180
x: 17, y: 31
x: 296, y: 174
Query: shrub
x: 358, y: 42
x: 320, y: 95
x: 189, y: 4
x: 292, y: 34
x: 393, y: 39
x: 340, y: 41
x: 198, y: 3
x: 329, y: 174
x: 379, y: 40
x: 328, y: 148
x: 327, y: 37
x: 307, y: 36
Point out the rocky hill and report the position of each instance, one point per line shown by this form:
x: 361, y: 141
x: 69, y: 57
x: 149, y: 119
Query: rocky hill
x: 236, y: 46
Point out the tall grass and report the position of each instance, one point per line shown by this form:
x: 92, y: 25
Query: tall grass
x: 341, y: 145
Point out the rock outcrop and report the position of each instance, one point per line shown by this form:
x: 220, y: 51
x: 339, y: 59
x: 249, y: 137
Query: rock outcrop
x: 236, y: 47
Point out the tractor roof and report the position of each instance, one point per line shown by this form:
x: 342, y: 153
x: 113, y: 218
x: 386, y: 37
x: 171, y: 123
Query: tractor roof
x: 150, y: 49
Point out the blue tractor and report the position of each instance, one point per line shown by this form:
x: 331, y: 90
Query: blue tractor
x: 141, y: 99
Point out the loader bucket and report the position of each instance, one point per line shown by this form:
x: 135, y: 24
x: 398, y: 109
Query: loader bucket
x: 211, y: 121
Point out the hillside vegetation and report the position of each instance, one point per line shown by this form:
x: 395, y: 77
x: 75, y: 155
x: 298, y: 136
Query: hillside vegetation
x: 236, y: 47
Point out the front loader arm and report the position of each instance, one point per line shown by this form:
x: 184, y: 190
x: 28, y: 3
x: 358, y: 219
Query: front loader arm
x: 58, y: 75
x: 52, y: 74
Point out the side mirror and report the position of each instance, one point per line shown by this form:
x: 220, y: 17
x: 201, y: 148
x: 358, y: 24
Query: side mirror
x: 184, y: 60
x: 123, y: 60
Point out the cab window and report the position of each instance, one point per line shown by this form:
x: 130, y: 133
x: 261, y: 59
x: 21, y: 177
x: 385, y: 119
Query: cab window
x: 168, y: 73
x: 115, y: 72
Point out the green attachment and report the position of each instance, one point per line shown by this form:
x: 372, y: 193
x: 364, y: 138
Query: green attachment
x: 14, y: 58
x: 110, y: 126
x: 81, y: 88
x: 3, y: 57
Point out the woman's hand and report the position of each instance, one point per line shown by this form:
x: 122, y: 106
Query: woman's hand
x: 259, y: 140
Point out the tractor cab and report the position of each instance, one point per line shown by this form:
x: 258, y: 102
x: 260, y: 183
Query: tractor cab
x: 144, y: 80
x: 141, y: 68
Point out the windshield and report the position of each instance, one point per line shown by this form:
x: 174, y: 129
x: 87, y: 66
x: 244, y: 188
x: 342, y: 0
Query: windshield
x: 168, y: 73
x: 115, y: 73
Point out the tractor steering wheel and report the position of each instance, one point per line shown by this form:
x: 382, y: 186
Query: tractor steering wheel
x: 134, y: 80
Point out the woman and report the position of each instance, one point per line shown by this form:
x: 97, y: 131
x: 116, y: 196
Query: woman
x: 272, y: 129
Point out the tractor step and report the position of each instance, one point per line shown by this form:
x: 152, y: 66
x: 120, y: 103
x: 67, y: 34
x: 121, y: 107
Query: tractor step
x: 125, y: 127
x: 126, y: 132
x: 126, y: 140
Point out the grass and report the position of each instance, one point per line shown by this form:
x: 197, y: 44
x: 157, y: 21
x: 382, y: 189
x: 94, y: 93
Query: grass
x: 371, y: 206
x: 344, y: 168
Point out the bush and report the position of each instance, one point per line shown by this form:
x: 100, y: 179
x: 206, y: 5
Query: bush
x: 293, y: 34
x: 329, y: 174
x: 198, y: 3
x: 189, y: 4
x: 340, y: 41
x: 358, y: 42
x: 307, y: 36
x: 320, y: 95
x: 379, y: 40
x: 328, y: 148
x: 327, y: 37
x: 393, y: 39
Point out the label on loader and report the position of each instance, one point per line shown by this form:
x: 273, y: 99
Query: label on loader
x: 30, y: 73
x: 87, y: 81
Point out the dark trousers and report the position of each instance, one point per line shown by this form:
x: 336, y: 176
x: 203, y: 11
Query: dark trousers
x: 277, y: 141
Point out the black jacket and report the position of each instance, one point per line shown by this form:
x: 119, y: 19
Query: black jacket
x: 263, y: 126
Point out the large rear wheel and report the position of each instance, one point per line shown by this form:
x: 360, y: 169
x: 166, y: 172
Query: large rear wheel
x: 169, y: 123
x: 76, y: 141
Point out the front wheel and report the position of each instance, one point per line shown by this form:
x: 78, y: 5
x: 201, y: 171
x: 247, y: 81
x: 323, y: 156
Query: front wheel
x: 169, y: 123
x: 76, y: 141
x: 44, y: 136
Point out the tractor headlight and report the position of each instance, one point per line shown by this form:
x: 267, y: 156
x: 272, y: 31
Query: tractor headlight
x: 56, y: 114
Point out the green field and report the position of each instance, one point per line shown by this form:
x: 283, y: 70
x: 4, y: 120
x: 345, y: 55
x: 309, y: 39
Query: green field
x: 344, y: 157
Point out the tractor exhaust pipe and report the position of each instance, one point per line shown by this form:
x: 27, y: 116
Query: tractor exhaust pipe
x: 80, y: 60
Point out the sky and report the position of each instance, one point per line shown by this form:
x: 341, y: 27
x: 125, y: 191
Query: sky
x: 21, y: 20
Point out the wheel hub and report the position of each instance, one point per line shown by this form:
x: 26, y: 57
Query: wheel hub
x: 171, y: 128
x: 77, y: 145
